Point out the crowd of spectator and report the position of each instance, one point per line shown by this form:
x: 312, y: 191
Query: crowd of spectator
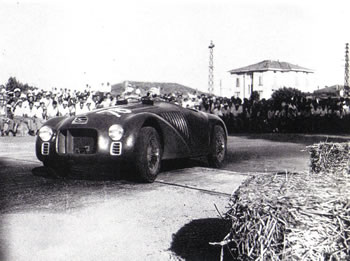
x: 28, y: 110
x: 297, y: 114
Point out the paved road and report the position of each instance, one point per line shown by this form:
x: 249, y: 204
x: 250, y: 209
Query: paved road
x: 89, y: 217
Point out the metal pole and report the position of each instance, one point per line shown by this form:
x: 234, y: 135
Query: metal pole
x: 346, y: 74
x: 211, y: 68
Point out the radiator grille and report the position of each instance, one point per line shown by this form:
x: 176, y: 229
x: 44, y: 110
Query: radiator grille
x: 77, y: 141
x: 116, y: 148
x: 178, y: 120
x: 45, y: 148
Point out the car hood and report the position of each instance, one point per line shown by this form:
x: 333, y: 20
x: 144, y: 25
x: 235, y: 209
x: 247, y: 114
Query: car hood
x: 104, y: 117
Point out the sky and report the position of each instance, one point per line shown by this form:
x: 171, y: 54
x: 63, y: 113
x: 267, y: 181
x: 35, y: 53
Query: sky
x: 68, y: 44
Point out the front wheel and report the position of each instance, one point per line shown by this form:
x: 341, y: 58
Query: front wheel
x: 217, y: 147
x: 148, y: 152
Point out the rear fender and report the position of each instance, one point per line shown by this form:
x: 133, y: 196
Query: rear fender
x: 173, y: 143
x: 213, y: 121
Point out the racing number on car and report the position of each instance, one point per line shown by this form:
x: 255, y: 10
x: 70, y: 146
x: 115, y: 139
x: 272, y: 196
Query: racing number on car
x: 116, y: 111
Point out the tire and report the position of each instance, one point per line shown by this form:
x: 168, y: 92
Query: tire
x: 217, y: 147
x: 148, y: 152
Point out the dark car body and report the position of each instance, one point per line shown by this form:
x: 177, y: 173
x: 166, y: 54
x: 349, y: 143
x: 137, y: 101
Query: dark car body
x: 183, y: 133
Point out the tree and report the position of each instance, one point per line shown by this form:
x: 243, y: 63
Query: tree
x: 255, y: 96
x: 12, y: 84
x: 286, y: 94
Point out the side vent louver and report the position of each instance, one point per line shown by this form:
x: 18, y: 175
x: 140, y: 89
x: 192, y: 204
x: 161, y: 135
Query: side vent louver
x: 177, y: 119
x: 80, y: 120
x: 45, y: 148
x: 116, y: 148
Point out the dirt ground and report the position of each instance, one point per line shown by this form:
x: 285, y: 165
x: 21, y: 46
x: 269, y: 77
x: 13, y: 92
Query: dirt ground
x: 99, y: 216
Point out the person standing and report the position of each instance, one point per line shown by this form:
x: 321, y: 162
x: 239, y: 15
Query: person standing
x: 18, y: 115
x: 29, y: 118
x: 17, y: 94
x: 47, y: 100
x: 80, y: 107
x: 3, y: 116
x: 107, y: 102
x: 52, y: 111
x: 40, y: 115
x: 64, y: 110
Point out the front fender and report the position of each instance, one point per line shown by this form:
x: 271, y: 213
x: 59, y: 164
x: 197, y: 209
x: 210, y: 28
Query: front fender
x: 55, y: 122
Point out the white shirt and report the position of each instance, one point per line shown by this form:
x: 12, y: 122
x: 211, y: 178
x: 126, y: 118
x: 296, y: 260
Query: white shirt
x: 39, y: 113
x: 3, y: 110
x: 52, y: 112
x: 81, y: 109
x: 19, y: 111
x: 71, y: 110
x: 31, y: 112
x: 64, y: 111
x: 25, y: 104
x: 236, y: 111
x: 47, y: 101
x: 106, y: 103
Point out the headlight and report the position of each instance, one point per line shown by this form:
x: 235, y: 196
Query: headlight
x: 45, y: 133
x: 116, y: 132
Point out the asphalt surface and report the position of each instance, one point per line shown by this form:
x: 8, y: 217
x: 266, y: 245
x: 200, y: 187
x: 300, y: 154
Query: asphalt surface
x: 101, y: 216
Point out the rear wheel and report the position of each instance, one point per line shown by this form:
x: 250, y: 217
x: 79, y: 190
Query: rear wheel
x: 148, y: 151
x: 217, y: 147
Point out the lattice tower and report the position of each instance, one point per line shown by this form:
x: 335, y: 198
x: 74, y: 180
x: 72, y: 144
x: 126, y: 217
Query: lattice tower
x: 346, y: 75
x: 211, y: 68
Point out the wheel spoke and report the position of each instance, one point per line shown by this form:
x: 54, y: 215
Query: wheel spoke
x: 153, y: 154
x: 220, y: 146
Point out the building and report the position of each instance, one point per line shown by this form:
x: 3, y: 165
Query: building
x: 267, y: 76
x: 330, y: 91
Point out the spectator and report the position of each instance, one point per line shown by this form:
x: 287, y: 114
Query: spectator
x: 71, y: 106
x: 81, y: 107
x: 30, y: 119
x: 18, y: 115
x: 47, y: 100
x: 64, y: 110
x: 17, y: 94
x: 40, y: 115
x: 107, y: 102
x: 3, y: 116
x: 52, y: 110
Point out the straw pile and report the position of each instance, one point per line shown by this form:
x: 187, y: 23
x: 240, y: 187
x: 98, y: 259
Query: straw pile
x: 290, y: 216
x: 294, y: 216
x: 330, y: 157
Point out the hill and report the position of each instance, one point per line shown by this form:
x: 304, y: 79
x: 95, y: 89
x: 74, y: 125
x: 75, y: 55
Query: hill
x: 165, y: 87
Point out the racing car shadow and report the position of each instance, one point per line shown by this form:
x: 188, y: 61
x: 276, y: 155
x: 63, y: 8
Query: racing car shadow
x: 113, y: 173
x: 92, y: 174
x: 168, y: 165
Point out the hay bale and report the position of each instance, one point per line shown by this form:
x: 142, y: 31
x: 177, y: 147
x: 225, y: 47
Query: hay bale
x: 330, y: 157
x: 290, y: 217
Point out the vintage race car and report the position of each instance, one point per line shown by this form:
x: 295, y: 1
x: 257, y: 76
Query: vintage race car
x: 140, y: 134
